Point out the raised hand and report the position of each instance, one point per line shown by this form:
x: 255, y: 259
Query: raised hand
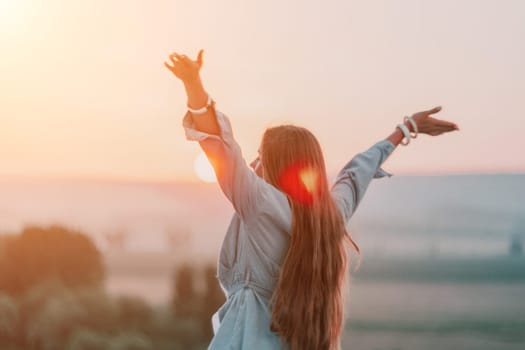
x: 432, y: 126
x: 188, y: 71
x: 185, y: 68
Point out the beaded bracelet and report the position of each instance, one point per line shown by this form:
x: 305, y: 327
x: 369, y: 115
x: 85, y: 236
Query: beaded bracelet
x: 414, y: 126
x: 406, y: 132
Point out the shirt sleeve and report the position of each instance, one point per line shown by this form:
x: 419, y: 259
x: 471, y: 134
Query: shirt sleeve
x: 238, y: 182
x: 353, y: 180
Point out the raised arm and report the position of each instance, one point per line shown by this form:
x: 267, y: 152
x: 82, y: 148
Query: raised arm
x: 188, y: 71
x: 355, y: 177
x: 212, y: 129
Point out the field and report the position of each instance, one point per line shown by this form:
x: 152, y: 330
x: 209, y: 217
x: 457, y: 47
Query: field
x: 436, y: 271
x: 396, y: 303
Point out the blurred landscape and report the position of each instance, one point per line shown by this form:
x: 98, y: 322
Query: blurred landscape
x: 442, y: 261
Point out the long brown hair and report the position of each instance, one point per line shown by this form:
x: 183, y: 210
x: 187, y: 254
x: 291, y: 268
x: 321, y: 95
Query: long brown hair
x: 307, y: 304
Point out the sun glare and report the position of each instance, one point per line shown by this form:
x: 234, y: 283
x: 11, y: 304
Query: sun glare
x: 309, y: 179
x: 203, y: 168
x: 9, y: 11
x: 5, y: 5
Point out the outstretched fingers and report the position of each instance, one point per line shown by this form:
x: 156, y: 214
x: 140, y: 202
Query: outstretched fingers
x: 175, y: 58
x: 433, y: 110
x: 199, y: 57
x: 182, y: 59
x: 167, y: 65
x: 446, y: 124
x: 440, y: 129
x: 170, y: 67
x: 177, y: 61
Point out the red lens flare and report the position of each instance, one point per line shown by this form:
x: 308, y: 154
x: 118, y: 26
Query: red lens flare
x: 300, y: 182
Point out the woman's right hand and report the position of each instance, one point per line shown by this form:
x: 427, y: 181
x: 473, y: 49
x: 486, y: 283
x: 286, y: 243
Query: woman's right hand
x: 184, y: 68
x: 429, y: 125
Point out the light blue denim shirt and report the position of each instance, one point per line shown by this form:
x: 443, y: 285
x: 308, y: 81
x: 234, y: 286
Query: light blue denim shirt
x: 258, y: 236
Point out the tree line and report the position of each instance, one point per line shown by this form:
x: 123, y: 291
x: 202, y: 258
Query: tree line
x: 52, y: 296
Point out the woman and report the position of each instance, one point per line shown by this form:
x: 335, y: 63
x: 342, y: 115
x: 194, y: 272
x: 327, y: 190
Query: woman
x: 283, y: 260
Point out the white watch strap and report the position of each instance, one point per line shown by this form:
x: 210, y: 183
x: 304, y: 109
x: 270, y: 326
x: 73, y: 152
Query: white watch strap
x: 406, y: 132
x: 203, y: 109
x: 414, y: 126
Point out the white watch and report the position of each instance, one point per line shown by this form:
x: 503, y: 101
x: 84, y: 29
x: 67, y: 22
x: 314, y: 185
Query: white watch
x: 203, y: 109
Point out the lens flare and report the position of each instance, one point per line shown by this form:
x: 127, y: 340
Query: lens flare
x: 300, y: 182
x: 309, y: 177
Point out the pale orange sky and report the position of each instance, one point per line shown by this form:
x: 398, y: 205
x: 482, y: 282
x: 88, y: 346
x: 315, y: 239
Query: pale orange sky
x: 83, y: 90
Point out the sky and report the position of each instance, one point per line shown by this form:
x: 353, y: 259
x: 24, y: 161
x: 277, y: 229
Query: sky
x: 84, y: 93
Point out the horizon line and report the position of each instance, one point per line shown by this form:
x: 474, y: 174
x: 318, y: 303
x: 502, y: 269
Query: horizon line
x: 186, y: 181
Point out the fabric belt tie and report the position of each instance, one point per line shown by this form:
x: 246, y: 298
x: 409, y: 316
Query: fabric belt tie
x: 247, y: 283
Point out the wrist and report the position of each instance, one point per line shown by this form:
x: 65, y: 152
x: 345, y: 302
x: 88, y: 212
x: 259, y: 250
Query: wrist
x: 409, y: 126
x: 192, y: 83
x: 203, y: 109
x: 195, y: 93
x: 396, y: 137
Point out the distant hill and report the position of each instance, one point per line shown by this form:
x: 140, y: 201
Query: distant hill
x: 455, y: 270
x: 422, y: 215
x: 470, y: 203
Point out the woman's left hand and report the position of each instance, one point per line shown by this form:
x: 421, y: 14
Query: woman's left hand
x: 185, y: 68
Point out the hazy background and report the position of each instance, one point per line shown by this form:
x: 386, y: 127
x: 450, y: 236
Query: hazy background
x: 442, y: 256
x: 91, y: 139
